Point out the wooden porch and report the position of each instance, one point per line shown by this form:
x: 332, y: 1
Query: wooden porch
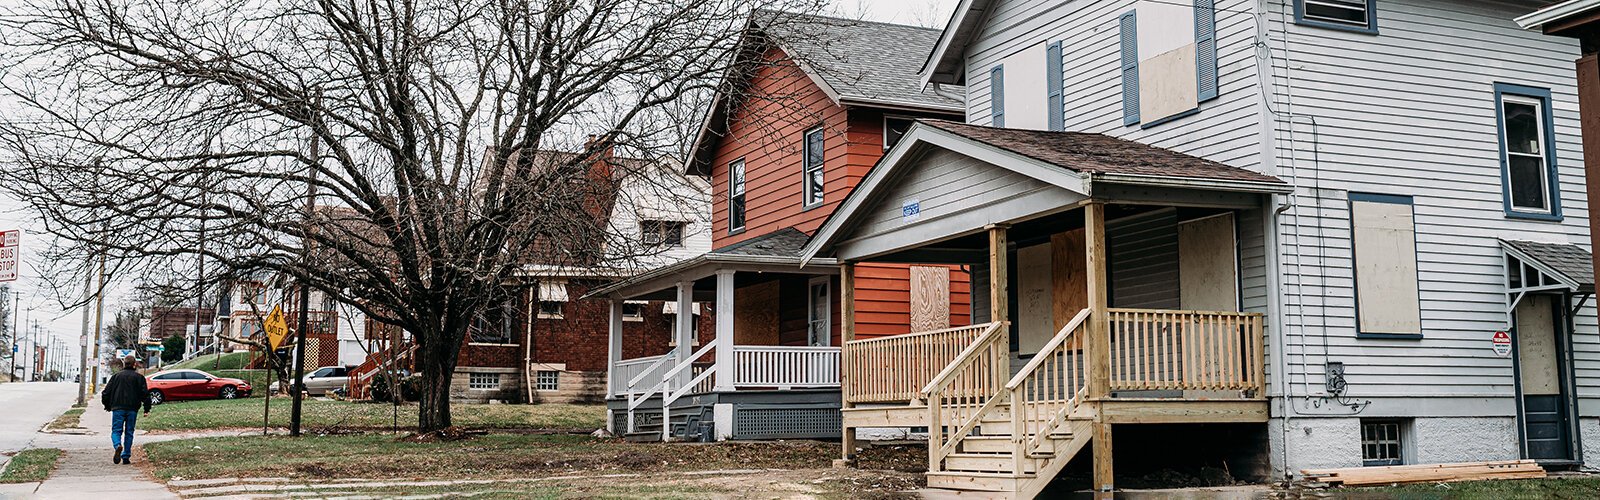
x: 1007, y: 423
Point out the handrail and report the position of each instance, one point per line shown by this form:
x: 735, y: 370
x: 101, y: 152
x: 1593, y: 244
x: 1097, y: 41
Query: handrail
x: 657, y: 364
x: 960, y: 361
x: 904, y: 336
x: 899, y: 367
x: 690, y: 361
x: 1061, y: 336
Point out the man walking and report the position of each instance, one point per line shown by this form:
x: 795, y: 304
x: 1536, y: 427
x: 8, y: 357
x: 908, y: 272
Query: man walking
x: 123, y: 395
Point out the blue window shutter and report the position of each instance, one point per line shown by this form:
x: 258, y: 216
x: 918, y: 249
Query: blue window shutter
x: 1130, y: 68
x: 1052, y: 64
x: 1205, y: 46
x: 997, y: 97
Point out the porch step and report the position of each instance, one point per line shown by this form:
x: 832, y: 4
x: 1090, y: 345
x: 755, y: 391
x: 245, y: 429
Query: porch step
x: 975, y: 481
x: 1003, y: 444
x: 987, y: 462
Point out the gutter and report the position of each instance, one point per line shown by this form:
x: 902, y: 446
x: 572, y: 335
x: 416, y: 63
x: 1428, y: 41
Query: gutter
x: 1278, y: 187
x: 1555, y: 12
x: 697, y: 261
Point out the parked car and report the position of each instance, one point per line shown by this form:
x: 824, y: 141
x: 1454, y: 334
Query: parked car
x: 326, y: 379
x: 171, y: 385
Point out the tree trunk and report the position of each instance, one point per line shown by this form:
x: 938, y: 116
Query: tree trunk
x: 436, y: 361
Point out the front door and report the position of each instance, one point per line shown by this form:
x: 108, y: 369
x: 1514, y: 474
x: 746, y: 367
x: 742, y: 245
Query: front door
x: 1540, y: 383
x: 817, y: 325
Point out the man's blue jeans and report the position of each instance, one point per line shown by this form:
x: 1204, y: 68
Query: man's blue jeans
x: 122, y: 422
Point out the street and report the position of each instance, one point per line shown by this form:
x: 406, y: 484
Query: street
x: 28, y: 406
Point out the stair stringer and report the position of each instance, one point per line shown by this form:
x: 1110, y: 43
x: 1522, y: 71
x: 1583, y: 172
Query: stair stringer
x: 1082, y: 430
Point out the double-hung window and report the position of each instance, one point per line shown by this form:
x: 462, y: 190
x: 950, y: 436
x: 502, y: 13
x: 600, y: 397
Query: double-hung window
x: 1527, y: 158
x: 1349, y: 15
x: 736, y: 196
x: 812, y: 167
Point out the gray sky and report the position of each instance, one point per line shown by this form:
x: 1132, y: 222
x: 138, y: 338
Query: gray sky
x: 65, y: 325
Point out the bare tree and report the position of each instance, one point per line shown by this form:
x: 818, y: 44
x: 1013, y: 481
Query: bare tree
x: 396, y: 156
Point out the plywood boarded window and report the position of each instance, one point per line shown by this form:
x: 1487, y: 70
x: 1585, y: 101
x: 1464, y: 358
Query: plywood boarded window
x: 1385, y: 248
x: 930, y: 298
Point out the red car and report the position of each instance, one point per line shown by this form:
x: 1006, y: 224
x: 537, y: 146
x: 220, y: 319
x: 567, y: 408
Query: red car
x: 173, y: 385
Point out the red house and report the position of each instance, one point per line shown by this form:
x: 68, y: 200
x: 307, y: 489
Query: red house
x: 812, y: 106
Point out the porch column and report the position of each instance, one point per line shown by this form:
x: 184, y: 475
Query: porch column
x: 613, y: 357
x: 725, y: 363
x: 1097, y: 345
x: 684, y: 329
x: 847, y: 333
x: 999, y: 288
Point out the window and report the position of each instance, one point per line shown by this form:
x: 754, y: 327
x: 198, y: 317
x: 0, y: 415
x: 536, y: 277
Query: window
x: 1350, y: 15
x: 168, y: 376
x: 895, y: 127
x: 325, y: 372
x: 195, y: 376
x: 633, y: 311
x: 483, y: 381
x: 547, y: 380
x: 812, y: 167
x: 1382, y: 442
x: 1527, y: 156
x: 497, y: 322
x: 1384, y: 243
x: 997, y: 97
x: 552, y: 295
x: 661, y: 233
x: 736, y: 196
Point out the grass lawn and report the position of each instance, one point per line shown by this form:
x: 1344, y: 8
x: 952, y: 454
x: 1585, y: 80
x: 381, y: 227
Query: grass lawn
x: 323, y: 414
x: 1557, y: 488
x: 212, y: 363
x: 67, y: 420
x: 482, y: 457
x: 30, y: 465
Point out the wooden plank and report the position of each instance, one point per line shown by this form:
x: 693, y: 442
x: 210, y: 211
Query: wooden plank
x: 999, y: 307
x: 1097, y: 341
x: 1464, y: 471
x: 901, y: 416
x: 1177, y: 411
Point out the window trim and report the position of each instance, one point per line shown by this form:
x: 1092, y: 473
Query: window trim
x: 1552, y: 178
x: 1355, y: 286
x: 1372, y: 19
x: 743, y: 207
x: 805, y: 170
x: 886, y: 118
x: 540, y: 314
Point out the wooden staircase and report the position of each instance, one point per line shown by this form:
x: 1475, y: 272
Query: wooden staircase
x: 1007, y: 435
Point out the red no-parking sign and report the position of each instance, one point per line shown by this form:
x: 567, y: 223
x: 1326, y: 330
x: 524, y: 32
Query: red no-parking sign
x: 10, y: 247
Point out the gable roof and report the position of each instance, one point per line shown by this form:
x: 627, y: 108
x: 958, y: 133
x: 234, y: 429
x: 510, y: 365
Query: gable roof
x: 785, y: 242
x: 1570, y: 264
x: 944, y: 63
x: 853, y: 62
x: 1071, y: 160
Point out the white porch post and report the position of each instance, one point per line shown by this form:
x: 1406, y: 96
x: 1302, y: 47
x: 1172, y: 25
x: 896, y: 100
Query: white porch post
x: 613, y: 357
x: 685, y: 335
x: 725, y: 366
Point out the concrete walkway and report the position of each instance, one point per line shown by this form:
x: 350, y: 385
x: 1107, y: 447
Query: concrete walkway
x: 86, y: 472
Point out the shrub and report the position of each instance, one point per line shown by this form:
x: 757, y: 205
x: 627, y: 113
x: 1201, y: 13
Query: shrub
x: 411, y: 388
x: 172, y: 348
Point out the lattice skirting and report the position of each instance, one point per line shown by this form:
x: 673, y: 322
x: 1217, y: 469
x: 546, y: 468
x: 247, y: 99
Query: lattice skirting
x: 785, y: 422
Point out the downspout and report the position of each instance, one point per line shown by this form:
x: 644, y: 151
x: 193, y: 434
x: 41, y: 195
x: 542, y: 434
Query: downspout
x: 527, y: 345
x: 938, y: 90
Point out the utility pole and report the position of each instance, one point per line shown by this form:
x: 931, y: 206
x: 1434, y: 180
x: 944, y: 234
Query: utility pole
x: 99, y: 313
x: 16, y: 335
x: 83, y: 339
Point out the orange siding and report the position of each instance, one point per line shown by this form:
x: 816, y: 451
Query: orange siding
x: 766, y: 131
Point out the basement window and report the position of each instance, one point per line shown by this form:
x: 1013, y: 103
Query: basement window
x: 1382, y: 442
x: 483, y: 381
x: 547, y: 380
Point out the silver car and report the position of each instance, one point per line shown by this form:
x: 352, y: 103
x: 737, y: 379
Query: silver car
x: 325, y: 380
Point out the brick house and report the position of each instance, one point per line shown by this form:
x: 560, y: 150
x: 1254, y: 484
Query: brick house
x: 813, y: 104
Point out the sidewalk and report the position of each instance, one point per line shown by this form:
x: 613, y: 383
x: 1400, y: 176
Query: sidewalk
x: 86, y: 472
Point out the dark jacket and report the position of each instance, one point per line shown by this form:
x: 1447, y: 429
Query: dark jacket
x: 126, y: 391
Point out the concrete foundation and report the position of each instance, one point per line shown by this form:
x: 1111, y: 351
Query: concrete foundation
x: 1332, y: 442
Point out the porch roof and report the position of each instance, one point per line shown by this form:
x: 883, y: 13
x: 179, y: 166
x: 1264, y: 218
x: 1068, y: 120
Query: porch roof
x: 1073, y: 161
x: 1567, y: 264
x: 778, y: 251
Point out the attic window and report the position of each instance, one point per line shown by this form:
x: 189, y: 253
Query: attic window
x: 895, y: 127
x: 1349, y: 15
x: 661, y: 233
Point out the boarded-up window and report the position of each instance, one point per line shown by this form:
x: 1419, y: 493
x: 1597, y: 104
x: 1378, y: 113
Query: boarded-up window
x: 930, y: 298
x: 1385, y: 247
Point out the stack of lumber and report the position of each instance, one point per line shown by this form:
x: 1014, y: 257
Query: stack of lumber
x: 1400, y: 474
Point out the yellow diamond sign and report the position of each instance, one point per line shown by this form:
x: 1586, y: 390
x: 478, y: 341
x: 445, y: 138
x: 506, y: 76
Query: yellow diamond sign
x: 276, y: 327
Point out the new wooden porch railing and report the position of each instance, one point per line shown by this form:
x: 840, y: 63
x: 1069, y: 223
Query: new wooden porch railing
x: 896, y: 368
x: 1155, y: 349
x: 966, y: 389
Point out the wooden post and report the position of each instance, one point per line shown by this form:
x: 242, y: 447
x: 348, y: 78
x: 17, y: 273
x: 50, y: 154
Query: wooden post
x: 724, y: 357
x: 1588, y: 68
x: 847, y: 333
x: 1097, y: 345
x: 999, y: 291
x: 614, y: 351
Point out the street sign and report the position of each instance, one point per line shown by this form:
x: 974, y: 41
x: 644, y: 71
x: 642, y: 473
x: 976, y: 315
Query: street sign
x: 10, y: 246
x: 277, y: 328
x: 124, y: 353
x: 155, y: 348
x: 1502, y: 344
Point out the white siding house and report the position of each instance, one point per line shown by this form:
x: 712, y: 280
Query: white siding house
x: 1393, y: 111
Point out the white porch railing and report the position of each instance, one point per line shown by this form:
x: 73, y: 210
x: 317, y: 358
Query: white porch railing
x: 785, y: 367
x: 628, y: 370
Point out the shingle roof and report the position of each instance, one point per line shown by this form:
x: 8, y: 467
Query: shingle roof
x: 1570, y: 260
x: 785, y: 242
x: 1100, y: 153
x: 863, y: 60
